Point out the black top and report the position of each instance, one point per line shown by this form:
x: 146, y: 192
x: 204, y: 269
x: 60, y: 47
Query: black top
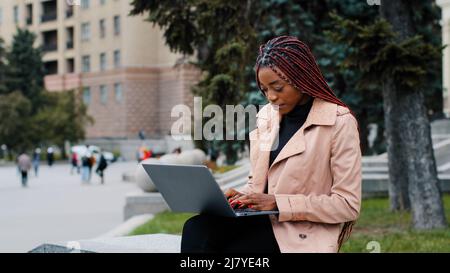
x: 289, y: 125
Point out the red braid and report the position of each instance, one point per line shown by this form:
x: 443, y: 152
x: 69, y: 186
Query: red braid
x: 292, y: 61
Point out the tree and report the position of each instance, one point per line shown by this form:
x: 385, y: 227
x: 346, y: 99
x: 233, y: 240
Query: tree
x: 62, y: 117
x: 29, y: 115
x: 410, y: 149
x: 15, y: 112
x: 25, y: 69
x: 222, y: 34
x: 389, y: 55
x: 192, y: 26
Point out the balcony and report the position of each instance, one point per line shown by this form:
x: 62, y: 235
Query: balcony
x: 51, y: 67
x: 49, y: 10
x: 49, y: 47
x: 48, y: 17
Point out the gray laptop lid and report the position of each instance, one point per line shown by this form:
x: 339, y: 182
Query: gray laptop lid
x: 192, y: 188
x: 189, y: 188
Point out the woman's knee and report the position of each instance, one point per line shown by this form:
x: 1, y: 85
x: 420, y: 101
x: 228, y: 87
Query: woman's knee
x: 195, y: 223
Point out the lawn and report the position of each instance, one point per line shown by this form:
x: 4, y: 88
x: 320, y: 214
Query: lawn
x: 377, y: 226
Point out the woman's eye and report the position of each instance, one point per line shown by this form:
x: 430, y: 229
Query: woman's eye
x: 278, y: 89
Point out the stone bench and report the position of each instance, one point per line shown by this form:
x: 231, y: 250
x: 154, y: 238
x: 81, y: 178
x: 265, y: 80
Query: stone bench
x: 151, y: 243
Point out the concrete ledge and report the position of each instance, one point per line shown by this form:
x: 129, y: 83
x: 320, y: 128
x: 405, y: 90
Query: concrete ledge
x: 128, y: 226
x: 151, y: 243
x: 140, y: 202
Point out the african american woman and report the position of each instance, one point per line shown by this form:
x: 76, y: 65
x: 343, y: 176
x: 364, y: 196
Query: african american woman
x: 311, y: 172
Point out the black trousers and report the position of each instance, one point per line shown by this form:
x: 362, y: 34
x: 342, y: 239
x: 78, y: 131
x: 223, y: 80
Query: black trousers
x: 214, y: 234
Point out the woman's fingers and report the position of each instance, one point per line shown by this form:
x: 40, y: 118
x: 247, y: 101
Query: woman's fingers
x: 256, y: 201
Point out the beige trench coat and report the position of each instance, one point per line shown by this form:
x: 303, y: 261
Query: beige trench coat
x: 316, y: 178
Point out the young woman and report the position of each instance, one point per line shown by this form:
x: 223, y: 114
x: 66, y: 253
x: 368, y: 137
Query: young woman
x: 311, y: 172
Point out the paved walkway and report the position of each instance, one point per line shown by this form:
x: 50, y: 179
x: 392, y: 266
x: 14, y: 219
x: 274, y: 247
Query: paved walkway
x: 56, y: 207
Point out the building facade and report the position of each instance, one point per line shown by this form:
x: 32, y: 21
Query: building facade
x: 126, y: 74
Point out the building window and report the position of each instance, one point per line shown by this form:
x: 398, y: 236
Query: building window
x: 70, y: 65
x: 102, y: 62
x: 85, y: 31
x: 118, y: 92
x: 16, y: 14
x: 86, y: 64
x: 85, y: 4
x: 103, y: 94
x: 29, y: 16
x: 102, y: 28
x: 116, y: 58
x: 116, y: 25
x: 87, y: 95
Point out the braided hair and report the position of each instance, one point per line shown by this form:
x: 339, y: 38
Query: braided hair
x: 292, y: 61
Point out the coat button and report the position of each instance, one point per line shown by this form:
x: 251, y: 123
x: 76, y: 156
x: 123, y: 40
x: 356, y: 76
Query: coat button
x: 302, y: 236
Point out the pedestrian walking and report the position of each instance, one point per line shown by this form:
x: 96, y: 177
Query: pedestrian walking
x: 102, y: 165
x: 36, y: 160
x: 74, y: 163
x: 50, y: 156
x: 24, y: 165
x: 85, y: 168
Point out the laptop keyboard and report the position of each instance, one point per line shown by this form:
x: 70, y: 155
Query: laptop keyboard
x: 245, y: 210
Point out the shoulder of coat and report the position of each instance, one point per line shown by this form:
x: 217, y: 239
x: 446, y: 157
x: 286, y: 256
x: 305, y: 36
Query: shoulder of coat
x: 341, y: 110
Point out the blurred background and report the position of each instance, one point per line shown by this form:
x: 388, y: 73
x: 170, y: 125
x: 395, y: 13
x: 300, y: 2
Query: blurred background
x: 87, y: 88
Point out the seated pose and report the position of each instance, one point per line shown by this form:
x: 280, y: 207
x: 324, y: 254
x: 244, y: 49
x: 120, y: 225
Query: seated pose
x: 310, y: 171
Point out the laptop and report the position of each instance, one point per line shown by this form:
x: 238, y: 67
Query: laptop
x: 192, y: 188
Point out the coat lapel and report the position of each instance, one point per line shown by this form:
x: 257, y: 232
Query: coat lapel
x: 321, y: 113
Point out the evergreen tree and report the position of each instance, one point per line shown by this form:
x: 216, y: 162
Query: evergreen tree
x: 25, y: 70
x: 390, y: 55
x: 30, y: 116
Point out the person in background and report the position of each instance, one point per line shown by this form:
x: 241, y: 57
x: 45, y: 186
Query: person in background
x: 91, y: 165
x: 102, y: 164
x: 24, y: 165
x: 50, y: 156
x: 141, y: 134
x: 74, y: 162
x: 85, y: 168
x: 36, y: 160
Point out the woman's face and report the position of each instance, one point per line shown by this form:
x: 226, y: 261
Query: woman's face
x: 279, y: 92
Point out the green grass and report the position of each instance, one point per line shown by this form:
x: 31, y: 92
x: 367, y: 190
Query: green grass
x: 164, y: 222
x: 391, y: 230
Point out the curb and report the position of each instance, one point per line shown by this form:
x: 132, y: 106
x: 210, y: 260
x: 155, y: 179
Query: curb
x: 128, y: 226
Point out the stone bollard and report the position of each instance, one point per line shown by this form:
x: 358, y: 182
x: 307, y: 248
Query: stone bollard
x: 142, y: 179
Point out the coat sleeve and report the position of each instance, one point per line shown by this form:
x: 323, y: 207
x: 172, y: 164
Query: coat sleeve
x: 344, y: 201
